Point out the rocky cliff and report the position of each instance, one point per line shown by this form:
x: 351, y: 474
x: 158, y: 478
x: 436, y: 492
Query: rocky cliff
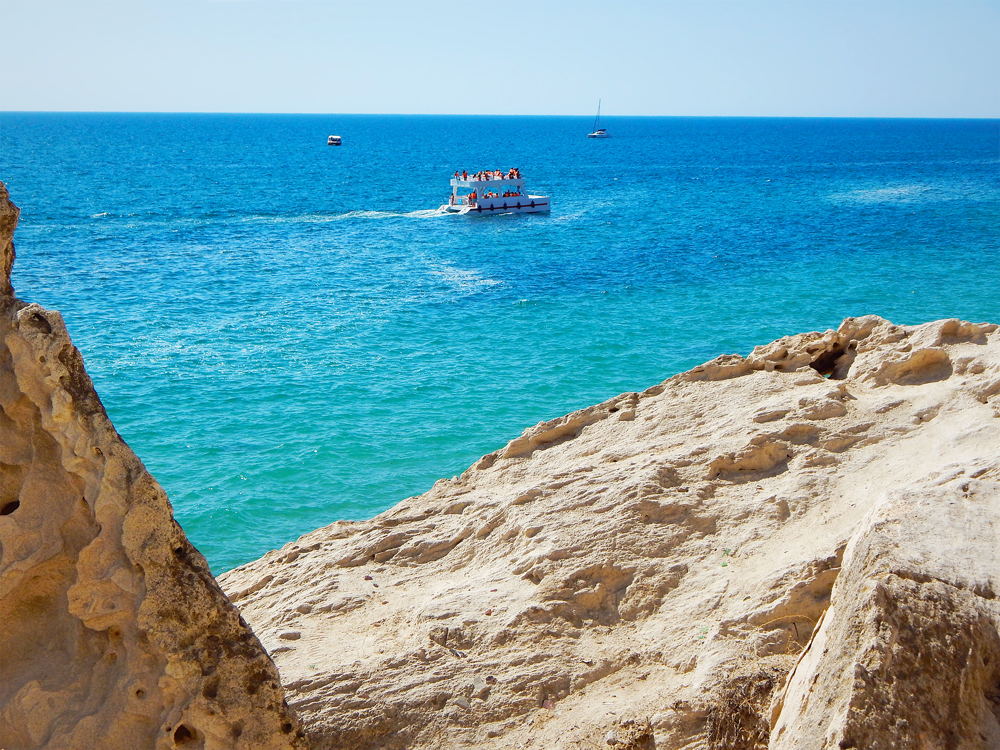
x: 115, y: 634
x: 796, y: 549
x: 647, y: 572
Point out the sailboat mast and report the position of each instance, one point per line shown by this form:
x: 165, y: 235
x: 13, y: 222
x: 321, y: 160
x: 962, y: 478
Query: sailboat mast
x: 597, y: 119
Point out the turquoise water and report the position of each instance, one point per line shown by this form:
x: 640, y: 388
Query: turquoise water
x: 289, y: 333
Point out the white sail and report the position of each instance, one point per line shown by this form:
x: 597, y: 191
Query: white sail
x: 599, y: 132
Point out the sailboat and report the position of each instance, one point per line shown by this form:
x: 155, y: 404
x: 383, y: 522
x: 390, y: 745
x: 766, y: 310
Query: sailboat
x: 599, y: 132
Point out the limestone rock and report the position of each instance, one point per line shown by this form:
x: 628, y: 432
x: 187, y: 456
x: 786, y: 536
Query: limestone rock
x: 794, y: 549
x: 115, y: 634
x: 908, y: 654
x: 666, y: 556
x: 9, y: 214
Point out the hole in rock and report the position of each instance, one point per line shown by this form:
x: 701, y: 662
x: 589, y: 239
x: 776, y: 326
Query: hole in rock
x: 825, y: 362
x: 185, y: 735
x: 10, y: 507
x: 38, y: 322
x: 211, y: 689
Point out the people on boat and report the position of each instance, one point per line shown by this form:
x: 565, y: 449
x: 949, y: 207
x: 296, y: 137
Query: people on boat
x: 486, y: 175
x: 498, y: 195
x: 491, y: 174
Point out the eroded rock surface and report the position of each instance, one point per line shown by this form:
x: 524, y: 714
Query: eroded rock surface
x: 908, y: 654
x: 795, y: 549
x: 115, y: 634
x: 667, y: 556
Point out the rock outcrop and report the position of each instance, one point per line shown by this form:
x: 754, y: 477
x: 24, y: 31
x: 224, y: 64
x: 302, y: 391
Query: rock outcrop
x: 648, y: 571
x: 115, y: 634
x: 794, y: 549
x: 908, y: 653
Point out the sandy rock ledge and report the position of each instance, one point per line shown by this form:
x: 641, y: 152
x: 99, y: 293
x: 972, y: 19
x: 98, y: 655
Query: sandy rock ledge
x: 793, y: 549
x: 115, y: 634
x: 647, y: 572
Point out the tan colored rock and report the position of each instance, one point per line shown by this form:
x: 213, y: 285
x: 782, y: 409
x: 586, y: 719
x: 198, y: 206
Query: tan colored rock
x: 9, y: 214
x: 908, y: 654
x: 642, y: 573
x: 667, y: 555
x: 114, y: 633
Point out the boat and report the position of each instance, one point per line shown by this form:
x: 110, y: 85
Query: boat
x: 599, y: 132
x: 489, y: 193
x: 333, y: 140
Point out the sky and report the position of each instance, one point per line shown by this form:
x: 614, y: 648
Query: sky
x: 798, y: 58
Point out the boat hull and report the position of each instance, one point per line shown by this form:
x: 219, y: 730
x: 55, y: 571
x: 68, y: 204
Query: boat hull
x: 531, y: 204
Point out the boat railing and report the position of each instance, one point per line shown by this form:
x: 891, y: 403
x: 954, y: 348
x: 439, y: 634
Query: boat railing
x: 470, y: 183
x: 501, y: 196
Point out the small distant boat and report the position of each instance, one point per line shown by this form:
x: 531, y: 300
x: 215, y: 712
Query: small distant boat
x: 493, y: 193
x: 333, y: 140
x: 599, y: 132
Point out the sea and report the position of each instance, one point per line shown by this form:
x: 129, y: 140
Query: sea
x: 289, y: 334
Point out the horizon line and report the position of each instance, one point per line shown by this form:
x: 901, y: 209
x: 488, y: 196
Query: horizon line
x: 454, y: 114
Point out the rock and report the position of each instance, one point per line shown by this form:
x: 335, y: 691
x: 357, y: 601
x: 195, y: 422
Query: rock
x: 9, y: 214
x: 631, y: 735
x: 792, y: 549
x: 115, y: 633
x: 676, y: 563
x: 908, y: 653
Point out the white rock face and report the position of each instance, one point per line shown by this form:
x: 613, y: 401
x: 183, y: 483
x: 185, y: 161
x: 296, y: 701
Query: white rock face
x: 115, y: 634
x: 908, y: 653
x: 667, y: 555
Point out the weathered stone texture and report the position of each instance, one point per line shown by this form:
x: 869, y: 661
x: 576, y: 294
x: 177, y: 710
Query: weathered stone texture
x: 908, y: 654
x: 667, y: 555
x: 115, y: 634
x: 641, y: 573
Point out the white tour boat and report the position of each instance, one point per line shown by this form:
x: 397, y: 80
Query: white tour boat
x: 333, y: 140
x: 495, y: 193
x: 599, y: 132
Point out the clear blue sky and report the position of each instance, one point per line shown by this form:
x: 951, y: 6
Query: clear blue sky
x: 870, y: 58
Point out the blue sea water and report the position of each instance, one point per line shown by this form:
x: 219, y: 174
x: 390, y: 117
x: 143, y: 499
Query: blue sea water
x: 289, y: 333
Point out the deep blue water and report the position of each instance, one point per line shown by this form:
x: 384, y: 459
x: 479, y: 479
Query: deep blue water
x: 289, y: 333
